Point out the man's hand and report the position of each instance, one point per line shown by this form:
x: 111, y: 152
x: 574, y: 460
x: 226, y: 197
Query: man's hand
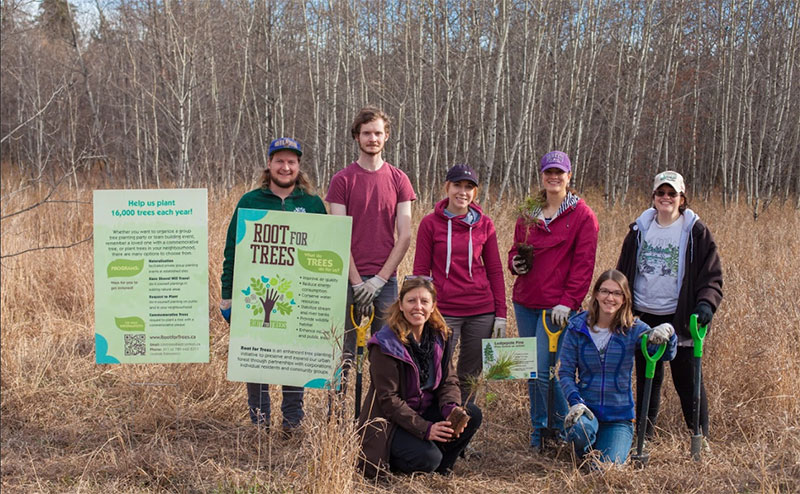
x: 575, y: 413
x: 225, y: 309
x: 560, y: 315
x: 499, y: 328
x: 364, y: 293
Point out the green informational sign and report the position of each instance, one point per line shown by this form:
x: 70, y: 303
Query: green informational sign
x: 289, y: 296
x: 151, y: 276
x: 521, y: 350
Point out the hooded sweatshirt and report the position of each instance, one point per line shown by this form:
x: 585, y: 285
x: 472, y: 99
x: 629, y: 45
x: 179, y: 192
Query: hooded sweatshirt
x: 603, y: 383
x: 563, y: 257
x: 699, y: 271
x: 463, y: 260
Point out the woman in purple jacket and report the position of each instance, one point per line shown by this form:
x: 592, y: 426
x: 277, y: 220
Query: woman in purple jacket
x: 457, y: 246
x: 553, y: 259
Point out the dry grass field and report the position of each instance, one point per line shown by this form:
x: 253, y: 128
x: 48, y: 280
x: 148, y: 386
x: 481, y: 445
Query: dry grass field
x: 69, y: 425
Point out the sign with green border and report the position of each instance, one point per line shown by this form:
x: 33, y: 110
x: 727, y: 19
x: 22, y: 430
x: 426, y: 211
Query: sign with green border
x: 289, y: 294
x: 151, y: 276
x: 521, y: 350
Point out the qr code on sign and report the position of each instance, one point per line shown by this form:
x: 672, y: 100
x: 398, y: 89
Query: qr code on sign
x: 134, y: 344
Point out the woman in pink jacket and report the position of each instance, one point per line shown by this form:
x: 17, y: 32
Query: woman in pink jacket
x: 457, y: 247
x: 553, y: 276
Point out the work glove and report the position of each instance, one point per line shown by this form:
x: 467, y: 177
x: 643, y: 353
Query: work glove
x: 364, y: 293
x: 575, y: 413
x: 519, y: 264
x: 661, y: 334
x: 704, y: 313
x: 499, y: 328
x: 225, y: 309
x: 560, y: 315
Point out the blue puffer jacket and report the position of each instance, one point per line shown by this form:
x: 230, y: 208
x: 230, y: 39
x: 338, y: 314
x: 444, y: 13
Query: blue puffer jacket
x: 603, y: 386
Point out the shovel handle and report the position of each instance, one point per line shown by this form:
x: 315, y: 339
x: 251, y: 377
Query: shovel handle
x: 698, y: 335
x: 552, y: 337
x: 650, y: 369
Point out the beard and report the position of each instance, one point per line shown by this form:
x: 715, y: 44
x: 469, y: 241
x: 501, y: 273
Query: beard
x: 283, y: 182
x: 370, y: 152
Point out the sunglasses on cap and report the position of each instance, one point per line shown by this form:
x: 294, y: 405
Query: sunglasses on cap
x: 417, y: 277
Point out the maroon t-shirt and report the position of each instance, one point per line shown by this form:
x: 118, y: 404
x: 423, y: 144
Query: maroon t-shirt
x: 371, y: 200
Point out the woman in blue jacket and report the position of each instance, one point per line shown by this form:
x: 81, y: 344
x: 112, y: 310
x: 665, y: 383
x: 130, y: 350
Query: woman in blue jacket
x: 600, y: 344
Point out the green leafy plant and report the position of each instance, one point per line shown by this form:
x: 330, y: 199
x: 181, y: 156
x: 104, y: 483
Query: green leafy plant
x: 501, y: 369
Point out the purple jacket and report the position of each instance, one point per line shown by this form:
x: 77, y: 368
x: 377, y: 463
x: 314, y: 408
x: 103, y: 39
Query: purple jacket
x: 394, y: 398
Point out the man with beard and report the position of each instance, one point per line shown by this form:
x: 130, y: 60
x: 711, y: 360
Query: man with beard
x: 378, y: 197
x: 284, y: 187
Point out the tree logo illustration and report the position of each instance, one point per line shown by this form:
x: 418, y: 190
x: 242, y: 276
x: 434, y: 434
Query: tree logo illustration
x: 269, y: 296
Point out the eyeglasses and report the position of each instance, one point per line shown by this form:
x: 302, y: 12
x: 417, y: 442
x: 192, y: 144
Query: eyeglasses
x: 417, y: 277
x: 671, y: 193
x: 607, y: 293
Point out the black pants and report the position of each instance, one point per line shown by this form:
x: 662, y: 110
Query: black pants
x: 682, y: 369
x: 411, y: 454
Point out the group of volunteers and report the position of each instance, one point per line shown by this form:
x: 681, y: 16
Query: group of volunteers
x: 418, y: 414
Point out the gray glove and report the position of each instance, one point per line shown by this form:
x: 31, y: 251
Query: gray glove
x: 520, y: 264
x: 499, y: 328
x: 560, y: 315
x: 661, y: 334
x: 575, y: 413
x: 364, y: 293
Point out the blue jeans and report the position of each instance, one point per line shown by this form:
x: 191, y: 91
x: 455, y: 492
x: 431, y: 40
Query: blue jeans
x: 529, y: 323
x: 612, y: 439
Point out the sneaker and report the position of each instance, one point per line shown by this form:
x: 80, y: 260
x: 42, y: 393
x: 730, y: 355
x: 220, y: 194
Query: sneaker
x: 706, y: 446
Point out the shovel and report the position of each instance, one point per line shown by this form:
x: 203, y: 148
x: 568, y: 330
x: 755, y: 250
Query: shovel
x: 550, y: 433
x: 698, y: 335
x: 640, y: 458
x: 361, y: 342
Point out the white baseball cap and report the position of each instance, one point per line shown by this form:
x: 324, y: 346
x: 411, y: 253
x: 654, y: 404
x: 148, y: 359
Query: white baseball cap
x: 671, y: 178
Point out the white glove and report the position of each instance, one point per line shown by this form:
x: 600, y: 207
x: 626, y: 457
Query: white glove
x: 575, y: 412
x: 364, y: 293
x: 560, y: 315
x: 519, y: 264
x: 499, y: 328
x: 661, y: 334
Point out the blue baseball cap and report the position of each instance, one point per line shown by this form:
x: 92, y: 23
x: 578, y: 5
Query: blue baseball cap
x: 284, y: 143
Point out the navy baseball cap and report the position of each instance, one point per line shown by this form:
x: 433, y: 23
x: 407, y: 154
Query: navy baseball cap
x: 462, y: 172
x: 285, y: 143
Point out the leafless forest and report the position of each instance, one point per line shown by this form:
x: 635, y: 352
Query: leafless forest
x: 149, y: 92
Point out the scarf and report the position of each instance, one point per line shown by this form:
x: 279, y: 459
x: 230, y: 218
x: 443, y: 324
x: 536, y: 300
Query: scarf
x: 422, y: 355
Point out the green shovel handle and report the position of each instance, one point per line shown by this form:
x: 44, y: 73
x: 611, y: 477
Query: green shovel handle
x: 698, y: 335
x: 650, y: 369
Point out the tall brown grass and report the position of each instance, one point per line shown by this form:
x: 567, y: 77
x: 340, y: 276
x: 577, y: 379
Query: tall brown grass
x: 69, y: 425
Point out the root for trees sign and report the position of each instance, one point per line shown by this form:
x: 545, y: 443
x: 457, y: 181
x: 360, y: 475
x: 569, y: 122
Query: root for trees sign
x: 151, y: 276
x: 289, y: 294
